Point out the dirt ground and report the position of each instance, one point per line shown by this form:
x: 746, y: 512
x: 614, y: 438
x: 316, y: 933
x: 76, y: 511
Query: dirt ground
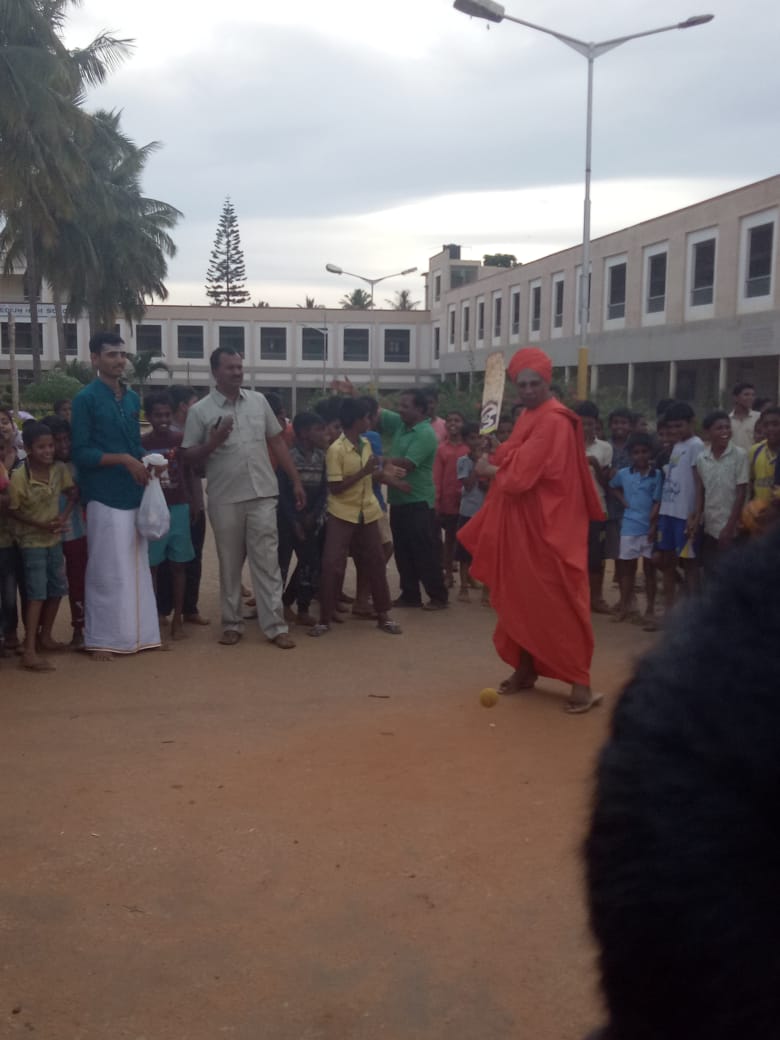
x: 331, y: 843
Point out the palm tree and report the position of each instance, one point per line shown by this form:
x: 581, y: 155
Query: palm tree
x: 403, y: 301
x: 42, y: 84
x: 143, y: 367
x: 357, y: 300
x: 310, y: 304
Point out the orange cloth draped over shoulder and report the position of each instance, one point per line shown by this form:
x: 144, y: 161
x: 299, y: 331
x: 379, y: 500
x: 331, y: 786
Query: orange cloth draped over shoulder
x: 529, y: 544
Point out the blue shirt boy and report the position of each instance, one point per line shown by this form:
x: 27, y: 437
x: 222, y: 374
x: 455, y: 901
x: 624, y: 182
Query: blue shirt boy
x: 641, y: 492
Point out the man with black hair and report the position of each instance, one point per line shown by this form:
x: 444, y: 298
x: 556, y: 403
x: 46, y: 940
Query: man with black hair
x: 120, y: 609
x: 599, y: 456
x: 743, y: 417
x: 412, y: 517
x: 230, y: 431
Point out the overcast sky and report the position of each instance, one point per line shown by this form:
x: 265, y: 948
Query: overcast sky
x: 368, y: 132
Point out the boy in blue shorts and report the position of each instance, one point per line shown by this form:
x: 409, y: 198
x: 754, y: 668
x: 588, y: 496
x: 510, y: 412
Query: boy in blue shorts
x: 34, y: 506
x: 176, y: 545
x: 677, y: 524
x: 637, y: 488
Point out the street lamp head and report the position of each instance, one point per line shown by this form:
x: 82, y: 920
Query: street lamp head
x: 333, y: 268
x: 696, y: 19
x: 409, y: 270
x: 486, y: 9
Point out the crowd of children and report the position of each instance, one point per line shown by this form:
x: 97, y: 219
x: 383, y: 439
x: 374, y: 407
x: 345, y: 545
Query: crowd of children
x: 671, y: 498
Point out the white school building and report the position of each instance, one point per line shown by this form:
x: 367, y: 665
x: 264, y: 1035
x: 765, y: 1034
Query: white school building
x: 682, y: 305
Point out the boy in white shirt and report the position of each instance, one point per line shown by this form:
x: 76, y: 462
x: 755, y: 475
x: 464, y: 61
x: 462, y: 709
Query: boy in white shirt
x: 599, y: 454
x: 722, y: 474
x: 677, y: 522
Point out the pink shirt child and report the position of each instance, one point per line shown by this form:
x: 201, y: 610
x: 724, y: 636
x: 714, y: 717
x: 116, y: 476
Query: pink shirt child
x: 445, y: 477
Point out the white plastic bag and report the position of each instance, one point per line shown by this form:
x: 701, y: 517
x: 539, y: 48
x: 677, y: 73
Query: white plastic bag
x: 154, y: 519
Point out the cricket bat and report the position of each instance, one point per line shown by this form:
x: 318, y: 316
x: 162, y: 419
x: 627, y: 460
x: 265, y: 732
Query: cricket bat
x: 493, y: 393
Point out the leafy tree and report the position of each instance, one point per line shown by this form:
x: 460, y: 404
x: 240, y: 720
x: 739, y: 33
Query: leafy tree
x: 226, y: 275
x: 403, y: 301
x: 310, y: 304
x: 143, y: 368
x: 75, y: 369
x: 51, y: 387
x: 357, y: 300
x: 262, y: 303
x: 42, y: 86
x: 499, y: 260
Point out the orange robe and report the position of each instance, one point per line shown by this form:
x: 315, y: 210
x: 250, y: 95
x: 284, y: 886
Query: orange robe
x: 529, y: 543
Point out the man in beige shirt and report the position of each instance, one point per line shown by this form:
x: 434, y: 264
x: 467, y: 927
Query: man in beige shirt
x: 230, y: 431
x: 743, y: 418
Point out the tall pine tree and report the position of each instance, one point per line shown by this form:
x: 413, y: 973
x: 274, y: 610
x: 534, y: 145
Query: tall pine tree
x: 226, y: 274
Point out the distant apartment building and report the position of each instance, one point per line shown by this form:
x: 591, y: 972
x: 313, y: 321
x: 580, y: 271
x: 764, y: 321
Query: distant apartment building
x: 682, y: 305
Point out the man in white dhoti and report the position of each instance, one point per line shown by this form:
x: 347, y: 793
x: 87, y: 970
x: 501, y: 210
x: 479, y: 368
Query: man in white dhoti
x: 231, y: 431
x: 119, y: 604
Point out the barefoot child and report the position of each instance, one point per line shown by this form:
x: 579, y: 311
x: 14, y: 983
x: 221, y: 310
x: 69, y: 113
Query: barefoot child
x: 301, y: 530
x: 35, y: 509
x: 176, y: 545
x: 638, y: 489
x: 445, y: 481
x: 473, y: 489
x: 677, y: 530
x: 722, y: 473
x: 74, y: 535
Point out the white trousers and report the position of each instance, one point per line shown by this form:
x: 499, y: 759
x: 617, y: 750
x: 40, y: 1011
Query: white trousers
x: 247, y: 530
x: 120, y: 611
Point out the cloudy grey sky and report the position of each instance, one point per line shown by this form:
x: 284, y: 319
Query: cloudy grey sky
x: 368, y: 132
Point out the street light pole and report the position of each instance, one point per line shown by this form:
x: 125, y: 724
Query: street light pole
x: 335, y: 269
x: 494, y: 12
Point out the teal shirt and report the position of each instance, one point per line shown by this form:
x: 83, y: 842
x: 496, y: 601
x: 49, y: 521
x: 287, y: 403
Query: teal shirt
x: 418, y: 444
x: 102, y: 425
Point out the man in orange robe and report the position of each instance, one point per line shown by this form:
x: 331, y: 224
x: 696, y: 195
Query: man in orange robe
x: 529, y: 541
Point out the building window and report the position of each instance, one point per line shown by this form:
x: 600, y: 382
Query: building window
x: 703, y: 273
x: 515, y: 312
x: 452, y: 328
x: 759, y: 260
x: 497, y: 302
x: 72, y: 342
x: 466, y: 322
x: 436, y: 343
x: 148, y: 339
x: 190, y: 341
x: 313, y: 345
x: 436, y: 288
x: 616, y: 290
x: 356, y: 344
x: 232, y: 336
x: 656, y: 283
x: 536, y: 308
x: 558, y: 286
x: 23, y: 337
x: 398, y: 345
x: 273, y: 344
x: 481, y: 320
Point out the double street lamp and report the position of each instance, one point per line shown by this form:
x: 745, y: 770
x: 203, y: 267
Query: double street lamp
x: 494, y: 12
x: 335, y: 269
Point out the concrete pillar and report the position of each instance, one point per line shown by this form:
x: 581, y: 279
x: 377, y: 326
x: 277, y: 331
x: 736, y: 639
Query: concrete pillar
x: 723, y: 375
x: 594, y: 379
x: 672, y: 378
x: 630, y: 384
x: 294, y: 395
x: 565, y: 375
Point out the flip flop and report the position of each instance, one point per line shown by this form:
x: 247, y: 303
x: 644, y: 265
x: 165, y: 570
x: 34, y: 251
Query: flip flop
x: 391, y: 627
x: 583, y: 709
x: 508, y: 687
x: 229, y: 637
x: 318, y: 630
x: 283, y: 641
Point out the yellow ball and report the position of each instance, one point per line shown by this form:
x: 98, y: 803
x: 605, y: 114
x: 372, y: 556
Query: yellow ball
x: 488, y: 698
